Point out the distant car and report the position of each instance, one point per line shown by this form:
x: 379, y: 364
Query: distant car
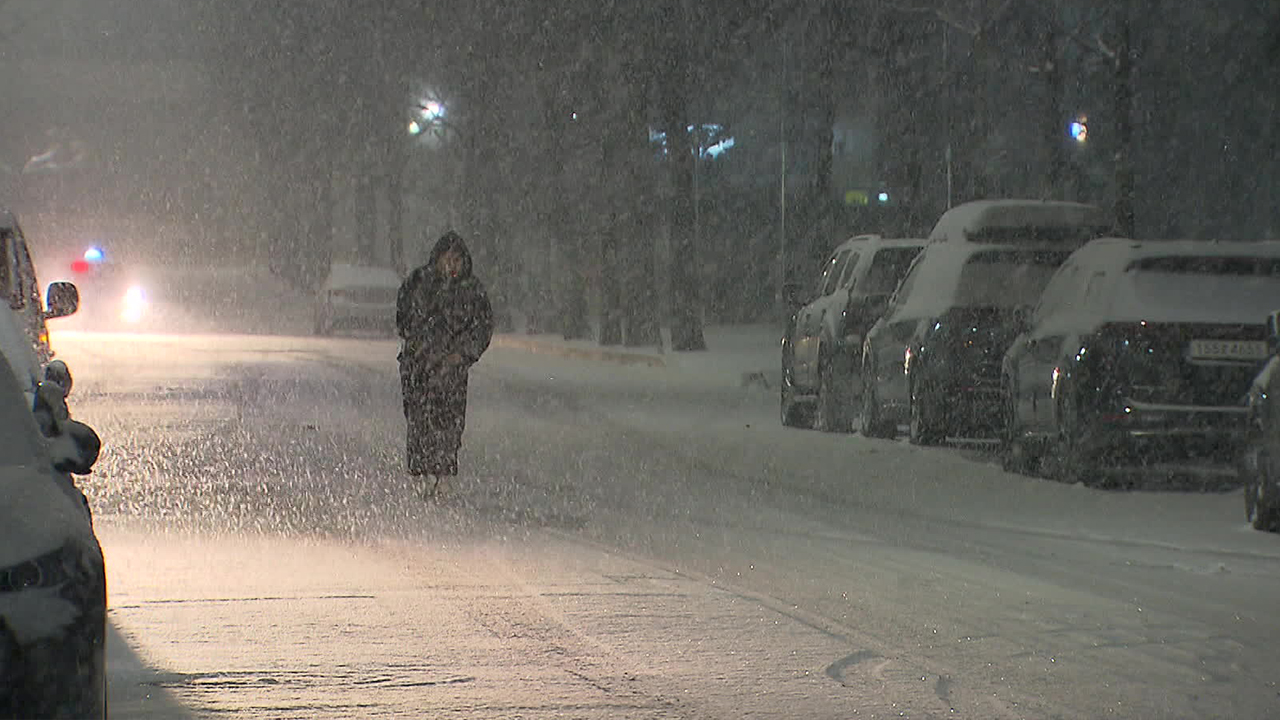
x: 114, y: 296
x: 19, y: 285
x: 823, y: 339
x: 53, y: 603
x: 357, y: 296
x: 1140, y: 352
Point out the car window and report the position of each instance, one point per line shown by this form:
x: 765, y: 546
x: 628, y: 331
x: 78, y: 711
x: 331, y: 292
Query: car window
x: 831, y: 277
x: 10, y: 286
x: 888, y: 267
x: 25, y: 273
x: 1006, y: 278
x: 850, y: 266
x: 827, y: 269
x: 1059, y: 293
x: 903, y: 290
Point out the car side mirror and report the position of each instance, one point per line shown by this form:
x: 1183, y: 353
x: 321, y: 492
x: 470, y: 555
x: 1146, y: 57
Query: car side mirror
x: 73, y: 445
x: 61, y: 300
x: 58, y: 373
x: 76, y: 450
x: 1273, y: 331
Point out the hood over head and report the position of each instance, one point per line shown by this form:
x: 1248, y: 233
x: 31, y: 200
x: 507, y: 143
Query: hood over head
x: 451, y: 241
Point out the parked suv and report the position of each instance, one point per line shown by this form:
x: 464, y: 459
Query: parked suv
x: 933, y: 360
x: 1140, y: 351
x: 53, y: 599
x: 823, y: 339
x: 1261, y: 466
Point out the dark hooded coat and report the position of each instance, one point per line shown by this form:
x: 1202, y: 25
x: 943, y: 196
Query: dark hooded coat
x: 437, y: 317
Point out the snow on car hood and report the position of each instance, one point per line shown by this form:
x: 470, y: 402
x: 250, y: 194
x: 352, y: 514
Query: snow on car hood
x: 38, y: 516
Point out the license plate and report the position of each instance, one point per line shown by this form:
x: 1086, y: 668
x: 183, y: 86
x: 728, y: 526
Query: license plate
x: 1229, y: 350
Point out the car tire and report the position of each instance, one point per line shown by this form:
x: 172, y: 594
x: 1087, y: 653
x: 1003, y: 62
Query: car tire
x: 1016, y: 455
x: 831, y: 413
x: 1262, y: 497
x: 1071, y: 464
x: 791, y: 412
x: 873, y: 425
x: 921, y: 430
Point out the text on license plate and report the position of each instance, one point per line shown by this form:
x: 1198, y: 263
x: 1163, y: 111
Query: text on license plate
x: 1229, y: 349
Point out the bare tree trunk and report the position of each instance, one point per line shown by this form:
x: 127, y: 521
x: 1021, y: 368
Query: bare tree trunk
x: 1053, y: 121
x: 640, y: 297
x: 395, y: 212
x: 686, y: 305
x: 366, y: 218
x: 1125, y: 223
x: 611, y: 283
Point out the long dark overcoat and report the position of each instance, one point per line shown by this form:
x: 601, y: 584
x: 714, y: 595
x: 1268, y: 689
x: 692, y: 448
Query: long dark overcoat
x: 436, y: 317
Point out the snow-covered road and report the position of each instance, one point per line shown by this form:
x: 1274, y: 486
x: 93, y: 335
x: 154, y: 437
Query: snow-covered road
x: 631, y: 542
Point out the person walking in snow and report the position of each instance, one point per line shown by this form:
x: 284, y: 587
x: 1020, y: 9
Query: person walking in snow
x: 445, y: 322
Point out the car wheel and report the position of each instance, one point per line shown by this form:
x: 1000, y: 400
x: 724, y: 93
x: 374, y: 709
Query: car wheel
x: 1071, y: 463
x: 922, y: 431
x: 872, y: 424
x: 1261, y: 499
x: 832, y: 412
x: 792, y: 413
x: 1016, y: 454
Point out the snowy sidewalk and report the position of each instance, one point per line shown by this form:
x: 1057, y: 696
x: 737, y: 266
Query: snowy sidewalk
x: 743, y: 354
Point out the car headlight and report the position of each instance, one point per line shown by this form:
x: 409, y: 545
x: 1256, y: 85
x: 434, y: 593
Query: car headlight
x: 49, y: 570
x: 134, y: 304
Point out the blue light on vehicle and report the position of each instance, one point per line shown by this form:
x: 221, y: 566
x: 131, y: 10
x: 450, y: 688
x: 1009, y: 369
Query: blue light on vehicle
x: 93, y: 254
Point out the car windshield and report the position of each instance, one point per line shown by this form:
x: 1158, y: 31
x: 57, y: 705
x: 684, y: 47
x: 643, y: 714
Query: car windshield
x: 1238, y: 289
x: 1006, y: 278
x: 887, y: 269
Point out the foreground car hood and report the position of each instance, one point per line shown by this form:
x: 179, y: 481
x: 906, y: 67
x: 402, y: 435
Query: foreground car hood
x: 41, y: 512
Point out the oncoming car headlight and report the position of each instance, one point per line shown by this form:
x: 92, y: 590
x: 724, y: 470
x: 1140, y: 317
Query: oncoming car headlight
x: 134, y: 305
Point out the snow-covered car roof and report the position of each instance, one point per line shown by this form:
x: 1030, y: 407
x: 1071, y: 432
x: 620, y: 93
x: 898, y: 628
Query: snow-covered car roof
x: 347, y: 275
x: 934, y: 289
x: 1161, y: 281
x: 877, y: 241
x: 1002, y: 219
